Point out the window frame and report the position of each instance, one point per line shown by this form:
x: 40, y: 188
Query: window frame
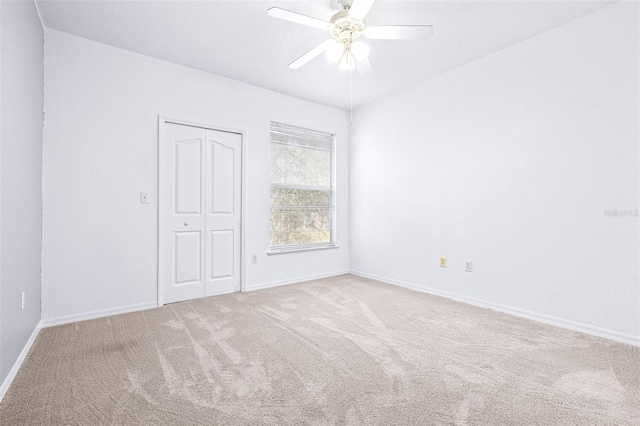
x: 297, y: 131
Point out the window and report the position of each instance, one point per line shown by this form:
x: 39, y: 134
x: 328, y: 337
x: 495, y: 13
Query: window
x: 302, y: 189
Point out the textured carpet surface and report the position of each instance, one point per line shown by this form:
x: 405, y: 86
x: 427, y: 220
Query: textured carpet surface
x: 343, y: 350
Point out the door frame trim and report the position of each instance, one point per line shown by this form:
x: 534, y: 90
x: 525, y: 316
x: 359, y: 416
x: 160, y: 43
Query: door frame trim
x: 162, y: 121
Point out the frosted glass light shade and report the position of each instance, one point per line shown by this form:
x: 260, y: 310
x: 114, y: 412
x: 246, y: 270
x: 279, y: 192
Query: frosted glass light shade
x: 335, y: 51
x: 360, y: 50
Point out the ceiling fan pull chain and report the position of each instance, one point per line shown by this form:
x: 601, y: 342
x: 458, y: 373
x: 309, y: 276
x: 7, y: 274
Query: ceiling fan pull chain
x: 351, y: 93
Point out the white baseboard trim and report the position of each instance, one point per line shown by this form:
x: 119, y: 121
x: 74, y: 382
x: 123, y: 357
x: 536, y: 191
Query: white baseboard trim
x: 547, y: 319
x: 295, y: 280
x: 16, y: 365
x: 50, y: 322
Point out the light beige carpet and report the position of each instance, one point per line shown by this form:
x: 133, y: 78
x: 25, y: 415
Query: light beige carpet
x: 343, y: 350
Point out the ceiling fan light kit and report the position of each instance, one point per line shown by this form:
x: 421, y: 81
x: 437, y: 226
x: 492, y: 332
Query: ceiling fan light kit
x: 345, y: 27
x: 335, y: 51
x: 359, y: 50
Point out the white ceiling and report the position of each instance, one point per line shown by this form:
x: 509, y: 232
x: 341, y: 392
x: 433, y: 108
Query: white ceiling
x: 236, y: 39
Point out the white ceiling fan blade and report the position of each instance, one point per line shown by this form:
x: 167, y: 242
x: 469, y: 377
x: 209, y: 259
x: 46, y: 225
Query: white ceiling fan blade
x: 360, y: 8
x: 287, y: 15
x: 316, y: 51
x: 364, y: 67
x: 399, y: 32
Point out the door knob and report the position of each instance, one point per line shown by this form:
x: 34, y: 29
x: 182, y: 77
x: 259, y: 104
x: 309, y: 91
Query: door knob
x: 186, y: 224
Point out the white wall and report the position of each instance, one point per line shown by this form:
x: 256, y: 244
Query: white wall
x: 100, y: 152
x: 511, y: 162
x: 21, y: 177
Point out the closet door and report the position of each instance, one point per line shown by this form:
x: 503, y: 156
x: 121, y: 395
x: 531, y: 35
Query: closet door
x: 184, y: 218
x: 202, y: 212
x: 223, y: 212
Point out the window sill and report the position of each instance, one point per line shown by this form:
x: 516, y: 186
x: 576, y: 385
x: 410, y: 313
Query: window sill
x: 301, y: 249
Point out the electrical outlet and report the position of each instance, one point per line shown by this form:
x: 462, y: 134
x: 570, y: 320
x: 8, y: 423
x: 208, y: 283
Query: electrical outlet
x: 468, y: 265
x: 23, y: 300
x: 254, y: 258
x: 443, y: 262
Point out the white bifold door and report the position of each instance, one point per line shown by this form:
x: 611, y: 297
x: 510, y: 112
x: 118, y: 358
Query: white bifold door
x: 202, y: 217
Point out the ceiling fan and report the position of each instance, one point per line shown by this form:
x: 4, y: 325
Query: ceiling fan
x: 345, y: 27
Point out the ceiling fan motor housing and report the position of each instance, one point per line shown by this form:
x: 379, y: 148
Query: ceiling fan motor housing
x: 345, y: 28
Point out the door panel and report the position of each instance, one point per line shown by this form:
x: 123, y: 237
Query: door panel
x: 184, y: 217
x: 187, y: 257
x: 222, y: 254
x: 202, y: 251
x: 188, y: 179
x: 223, y: 212
x: 222, y: 178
